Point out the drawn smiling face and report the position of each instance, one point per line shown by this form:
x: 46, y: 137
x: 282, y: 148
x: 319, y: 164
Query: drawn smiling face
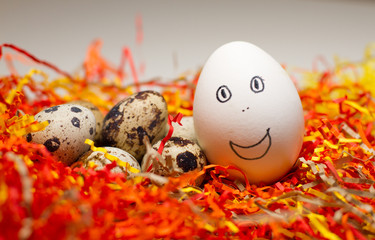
x: 253, y: 151
x: 247, y: 113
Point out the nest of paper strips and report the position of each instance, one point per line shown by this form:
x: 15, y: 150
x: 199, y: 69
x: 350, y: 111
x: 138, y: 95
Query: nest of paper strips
x: 329, y: 194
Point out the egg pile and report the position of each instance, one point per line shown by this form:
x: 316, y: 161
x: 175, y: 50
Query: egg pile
x: 236, y: 122
x: 138, y: 119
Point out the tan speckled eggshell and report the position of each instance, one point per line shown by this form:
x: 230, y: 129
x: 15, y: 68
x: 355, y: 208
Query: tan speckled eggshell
x: 186, y: 130
x: 100, y: 160
x: 69, y: 126
x: 184, y: 155
x: 141, y: 114
x: 98, y: 116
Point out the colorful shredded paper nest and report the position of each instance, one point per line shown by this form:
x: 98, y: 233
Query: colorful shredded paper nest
x: 329, y: 194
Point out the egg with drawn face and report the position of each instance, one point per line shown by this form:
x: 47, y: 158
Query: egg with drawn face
x: 247, y: 113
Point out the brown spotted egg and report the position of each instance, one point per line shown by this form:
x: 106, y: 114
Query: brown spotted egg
x: 129, y: 121
x: 69, y: 126
x: 98, y: 116
x: 98, y: 158
x: 186, y: 129
x: 179, y: 155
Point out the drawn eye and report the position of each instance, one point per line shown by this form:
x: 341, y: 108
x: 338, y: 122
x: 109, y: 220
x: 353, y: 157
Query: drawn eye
x: 257, y: 84
x: 223, y: 94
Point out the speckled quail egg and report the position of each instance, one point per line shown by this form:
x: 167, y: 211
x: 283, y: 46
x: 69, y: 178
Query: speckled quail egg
x: 97, y: 113
x: 179, y: 155
x: 99, y: 159
x: 129, y: 121
x: 69, y: 126
x: 185, y: 130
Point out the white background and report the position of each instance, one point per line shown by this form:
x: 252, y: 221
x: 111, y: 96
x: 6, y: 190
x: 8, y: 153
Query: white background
x: 180, y: 35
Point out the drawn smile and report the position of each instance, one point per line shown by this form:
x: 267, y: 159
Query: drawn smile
x: 255, y: 151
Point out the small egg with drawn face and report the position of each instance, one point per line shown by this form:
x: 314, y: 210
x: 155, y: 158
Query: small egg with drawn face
x: 247, y: 113
x: 69, y: 126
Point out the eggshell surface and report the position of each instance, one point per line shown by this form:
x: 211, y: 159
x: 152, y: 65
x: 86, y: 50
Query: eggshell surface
x: 179, y: 155
x: 97, y: 114
x: 69, y: 126
x: 129, y: 121
x: 247, y: 113
x: 186, y: 129
x: 99, y: 159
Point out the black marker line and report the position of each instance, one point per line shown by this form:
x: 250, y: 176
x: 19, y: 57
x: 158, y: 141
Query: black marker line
x: 256, y: 144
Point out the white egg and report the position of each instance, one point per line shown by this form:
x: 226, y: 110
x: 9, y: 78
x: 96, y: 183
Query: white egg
x: 247, y: 113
